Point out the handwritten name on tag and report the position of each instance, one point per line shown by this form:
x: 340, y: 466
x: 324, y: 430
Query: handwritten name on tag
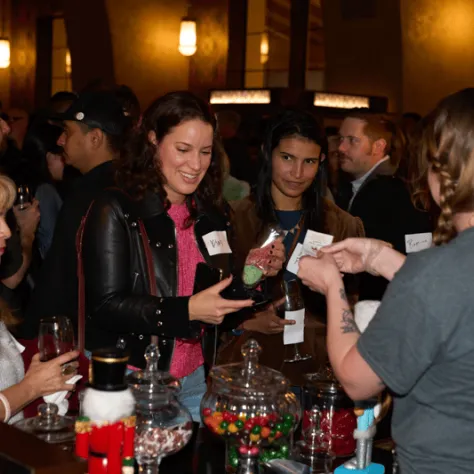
x: 294, y: 262
x: 294, y: 334
x: 217, y: 243
x: 417, y: 242
x: 315, y: 241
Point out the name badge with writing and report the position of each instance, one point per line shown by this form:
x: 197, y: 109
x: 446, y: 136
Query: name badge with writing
x: 294, y: 334
x: 217, y: 243
x: 417, y: 242
x: 314, y: 241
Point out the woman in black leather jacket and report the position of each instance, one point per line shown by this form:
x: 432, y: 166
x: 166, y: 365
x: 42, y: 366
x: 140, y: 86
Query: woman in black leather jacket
x: 141, y: 245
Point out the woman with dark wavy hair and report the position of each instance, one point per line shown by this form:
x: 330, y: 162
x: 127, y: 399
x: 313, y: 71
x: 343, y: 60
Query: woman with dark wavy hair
x: 143, y: 243
x: 290, y: 192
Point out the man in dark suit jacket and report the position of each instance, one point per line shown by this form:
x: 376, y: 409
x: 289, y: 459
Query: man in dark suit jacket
x: 368, y: 154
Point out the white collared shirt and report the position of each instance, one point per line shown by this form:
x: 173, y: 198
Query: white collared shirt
x: 356, y: 184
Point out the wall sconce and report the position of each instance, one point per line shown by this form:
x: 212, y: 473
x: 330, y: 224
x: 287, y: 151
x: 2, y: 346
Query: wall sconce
x: 264, y: 48
x: 246, y: 96
x: 4, y: 53
x: 68, y: 62
x: 187, y: 37
x: 340, y: 101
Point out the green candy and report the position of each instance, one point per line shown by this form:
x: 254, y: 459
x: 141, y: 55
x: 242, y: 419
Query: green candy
x: 252, y: 274
x: 234, y: 462
x: 284, y: 449
x: 273, y: 454
x: 273, y: 433
x: 239, y: 424
x: 224, y: 425
x: 288, y: 418
x: 256, y: 429
x: 264, y: 458
x: 279, y: 426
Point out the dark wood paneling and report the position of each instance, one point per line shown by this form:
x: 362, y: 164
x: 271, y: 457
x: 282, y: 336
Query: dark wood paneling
x: 237, y: 44
x: 208, y: 67
x: 44, y: 60
x: 298, y: 44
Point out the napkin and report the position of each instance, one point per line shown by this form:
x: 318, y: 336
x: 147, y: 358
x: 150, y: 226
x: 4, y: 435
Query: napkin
x: 59, y: 398
x: 364, y: 311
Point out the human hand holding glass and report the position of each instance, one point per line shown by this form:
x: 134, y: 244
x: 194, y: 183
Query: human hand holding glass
x: 56, y: 337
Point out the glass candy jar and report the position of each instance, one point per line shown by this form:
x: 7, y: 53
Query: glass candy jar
x: 312, y: 449
x: 252, y: 408
x: 337, y: 417
x: 163, y: 425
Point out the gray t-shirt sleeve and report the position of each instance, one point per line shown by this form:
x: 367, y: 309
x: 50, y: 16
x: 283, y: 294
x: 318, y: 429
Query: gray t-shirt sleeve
x: 403, y: 339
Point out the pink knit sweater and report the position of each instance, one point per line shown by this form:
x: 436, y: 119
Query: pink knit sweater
x: 187, y: 355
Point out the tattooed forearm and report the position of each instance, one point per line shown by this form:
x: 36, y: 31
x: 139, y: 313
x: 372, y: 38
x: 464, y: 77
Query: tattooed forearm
x: 342, y: 292
x: 348, y: 325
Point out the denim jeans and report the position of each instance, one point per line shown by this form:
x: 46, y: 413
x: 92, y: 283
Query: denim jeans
x: 193, y: 388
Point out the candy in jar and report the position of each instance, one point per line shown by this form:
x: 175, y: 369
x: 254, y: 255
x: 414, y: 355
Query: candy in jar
x: 253, y: 409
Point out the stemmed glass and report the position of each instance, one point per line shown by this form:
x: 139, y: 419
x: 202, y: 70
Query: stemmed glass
x: 56, y: 337
x: 292, y: 301
x: 23, y: 196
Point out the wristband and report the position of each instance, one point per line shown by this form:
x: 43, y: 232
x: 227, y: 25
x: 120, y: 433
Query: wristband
x: 6, y: 404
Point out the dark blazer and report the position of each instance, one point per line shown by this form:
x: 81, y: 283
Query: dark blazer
x: 384, y: 205
x: 120, y: 308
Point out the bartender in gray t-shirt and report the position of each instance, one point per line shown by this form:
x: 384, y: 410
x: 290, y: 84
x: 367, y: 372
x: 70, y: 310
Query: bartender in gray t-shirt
x: 420, y: 343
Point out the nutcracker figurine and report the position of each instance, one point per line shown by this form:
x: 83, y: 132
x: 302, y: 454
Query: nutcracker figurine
x: 106, y: 428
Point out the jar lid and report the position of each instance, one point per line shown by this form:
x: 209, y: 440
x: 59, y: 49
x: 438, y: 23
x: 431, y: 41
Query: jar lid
x: 248, y: 378
x: 324, y: 380
x: 48, y: 425
x: 151, y: 379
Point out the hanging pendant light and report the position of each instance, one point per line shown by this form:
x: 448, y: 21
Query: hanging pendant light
x: 187, y: 37
x: 4, y: 42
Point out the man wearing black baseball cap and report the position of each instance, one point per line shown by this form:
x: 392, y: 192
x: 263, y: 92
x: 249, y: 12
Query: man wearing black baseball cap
x: 95, y: 129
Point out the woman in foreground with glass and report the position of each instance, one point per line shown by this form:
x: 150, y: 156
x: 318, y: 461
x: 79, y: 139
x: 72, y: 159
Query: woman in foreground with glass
x: 420, y: 343
x: 290, y: 195
x: 18, y: 389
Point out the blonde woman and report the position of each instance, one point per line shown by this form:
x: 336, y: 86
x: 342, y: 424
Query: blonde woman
x: 18, y: 389
x: 420, y: 343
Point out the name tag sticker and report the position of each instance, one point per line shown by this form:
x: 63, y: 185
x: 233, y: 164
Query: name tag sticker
x: 418, y: 242
x: 294, y: 262
x: 314, y: 241
x: 294, y: 334
x: 217, y: 243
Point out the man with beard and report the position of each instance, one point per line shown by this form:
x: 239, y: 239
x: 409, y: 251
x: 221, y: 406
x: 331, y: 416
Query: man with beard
x: 370, y: 150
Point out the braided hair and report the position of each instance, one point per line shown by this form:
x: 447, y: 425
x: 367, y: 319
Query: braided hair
x: 448, y: 149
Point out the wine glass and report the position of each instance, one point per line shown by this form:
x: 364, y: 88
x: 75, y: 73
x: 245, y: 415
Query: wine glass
x: 293, y: 301
x: 23, y: 196
x: 56, y: 337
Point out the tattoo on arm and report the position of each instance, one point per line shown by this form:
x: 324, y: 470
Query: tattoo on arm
x: 348, y: 324
x: 342, y: 292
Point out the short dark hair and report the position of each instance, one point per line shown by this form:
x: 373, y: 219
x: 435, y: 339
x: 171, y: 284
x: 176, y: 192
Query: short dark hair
x: 115, y: 142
